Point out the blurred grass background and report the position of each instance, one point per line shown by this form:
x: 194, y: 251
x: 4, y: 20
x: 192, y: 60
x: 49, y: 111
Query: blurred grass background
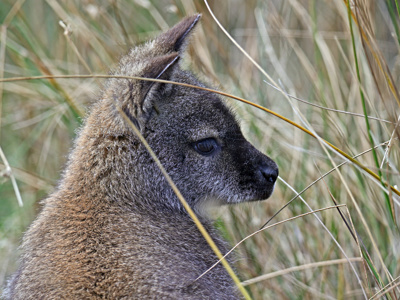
x: 307, y: 46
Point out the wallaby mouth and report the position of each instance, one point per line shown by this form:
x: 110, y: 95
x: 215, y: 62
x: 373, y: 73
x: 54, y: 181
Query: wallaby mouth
x: 258, y: 174
x: 262, y: 183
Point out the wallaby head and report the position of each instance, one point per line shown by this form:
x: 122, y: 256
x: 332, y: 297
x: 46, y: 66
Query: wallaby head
x: 194, y: 134
x: 114, y: 227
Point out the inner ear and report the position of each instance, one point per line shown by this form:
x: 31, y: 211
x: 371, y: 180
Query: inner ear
x: 158, y: 68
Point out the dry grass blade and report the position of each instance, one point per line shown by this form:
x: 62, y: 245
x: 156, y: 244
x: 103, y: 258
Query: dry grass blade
x: 3, y: 37
x: 327, y: 108
x: 300, y: 268
x: 331, y: 236
x: 262, y: 229
x: 30, y: 179
x: 386, y: 289
x: 8, y: 173
x: 314, y: 182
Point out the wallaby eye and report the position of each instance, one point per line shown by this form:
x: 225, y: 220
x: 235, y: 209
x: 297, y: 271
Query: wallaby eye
x: 206, y: 147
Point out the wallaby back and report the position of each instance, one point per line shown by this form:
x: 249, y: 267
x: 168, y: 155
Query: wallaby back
x: 114, y: 228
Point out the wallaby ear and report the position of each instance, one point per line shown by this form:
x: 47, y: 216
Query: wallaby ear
x: 160, y: 67
x: 175, y: 39
x: 163, y: 60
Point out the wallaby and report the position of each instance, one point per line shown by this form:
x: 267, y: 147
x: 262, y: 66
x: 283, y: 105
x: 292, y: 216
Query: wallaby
x: 114, y: 228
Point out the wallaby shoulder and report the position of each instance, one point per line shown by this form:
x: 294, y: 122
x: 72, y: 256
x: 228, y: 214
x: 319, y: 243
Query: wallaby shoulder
x: 84, y: 268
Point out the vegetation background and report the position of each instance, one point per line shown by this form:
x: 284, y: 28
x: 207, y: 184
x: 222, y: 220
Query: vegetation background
x: 340, y: 73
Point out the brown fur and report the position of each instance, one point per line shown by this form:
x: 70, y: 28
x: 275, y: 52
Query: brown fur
x: 114, y: 228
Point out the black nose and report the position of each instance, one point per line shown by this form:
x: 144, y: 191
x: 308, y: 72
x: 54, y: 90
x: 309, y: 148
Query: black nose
x: 269, y: 173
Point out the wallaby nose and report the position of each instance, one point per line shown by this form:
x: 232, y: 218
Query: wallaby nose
x: 270, y: 174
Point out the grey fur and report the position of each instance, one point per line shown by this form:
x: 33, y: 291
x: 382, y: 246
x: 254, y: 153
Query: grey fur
x: 114, y: 228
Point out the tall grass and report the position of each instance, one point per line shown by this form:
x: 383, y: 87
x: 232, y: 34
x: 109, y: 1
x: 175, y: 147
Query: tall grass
x: 346, y: 78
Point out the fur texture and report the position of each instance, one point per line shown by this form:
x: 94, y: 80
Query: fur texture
x: 114, y: 228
